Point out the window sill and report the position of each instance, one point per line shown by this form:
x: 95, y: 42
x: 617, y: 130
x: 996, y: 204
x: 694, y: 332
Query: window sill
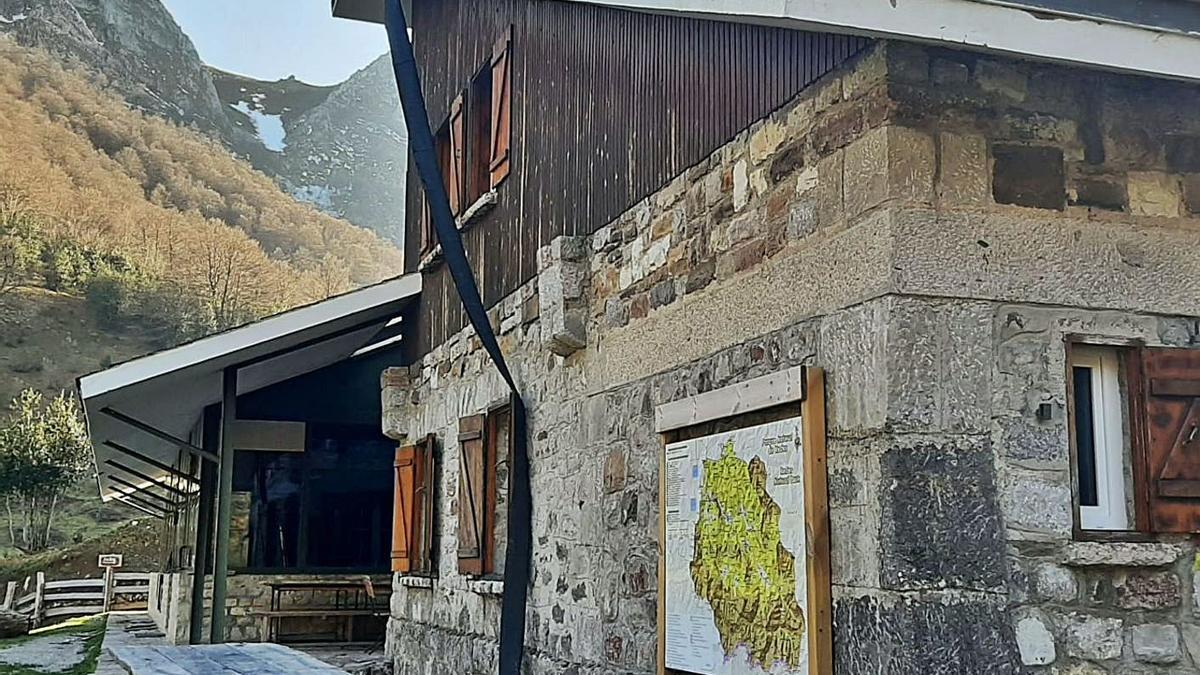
x: 1121, y: 554
x: 477, y: 210
x: 415, y: 581
x: 486, y: 586
x: 463, y: 223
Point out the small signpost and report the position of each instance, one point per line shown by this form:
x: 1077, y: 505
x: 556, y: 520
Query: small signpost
x: 109, y: 561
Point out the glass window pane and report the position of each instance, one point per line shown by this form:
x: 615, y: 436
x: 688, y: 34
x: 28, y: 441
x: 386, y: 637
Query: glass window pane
x: 1085, y: 437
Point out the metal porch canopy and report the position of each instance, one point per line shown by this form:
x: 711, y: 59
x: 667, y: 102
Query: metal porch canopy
x: 167, y: 392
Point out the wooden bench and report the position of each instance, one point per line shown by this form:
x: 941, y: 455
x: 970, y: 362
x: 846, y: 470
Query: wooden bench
x: 350, y: 600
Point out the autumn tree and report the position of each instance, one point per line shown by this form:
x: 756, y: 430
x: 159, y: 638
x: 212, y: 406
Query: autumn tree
x: 20, y: 248
x: 43, y: 452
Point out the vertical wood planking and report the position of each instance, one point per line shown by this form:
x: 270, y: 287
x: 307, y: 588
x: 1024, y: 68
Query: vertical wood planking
x: 608, y: 106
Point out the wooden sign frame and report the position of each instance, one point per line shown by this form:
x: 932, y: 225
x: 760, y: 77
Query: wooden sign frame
x: 780, y: 395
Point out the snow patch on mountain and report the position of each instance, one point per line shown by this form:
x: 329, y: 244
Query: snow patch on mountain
x: 269, y: 127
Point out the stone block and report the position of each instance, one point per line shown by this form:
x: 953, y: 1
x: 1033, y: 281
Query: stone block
x: 870, y: 70
x: 1124, y: 554
x: 1155, y: 643
x: 1030, y: 176
x: 1108, y: 194
x: 1191, y: 640
x: 935, y: 635
x: 741, y: 184
x: 765, y: 140
x: 1034, y: 640
x: 1036, y: 504
x: 907, y: 62
x: 947, y: 72
x: 1183, y: 153
x: 1152, y: 193
x: 940, y: 525
x: 1148, y: 590
x: 1033, y: 444
x: 1055, y: 583
x: 829, y: 190
x: 888, y: 163
x: 853, y: 350
x: 395, y: 390
x: 1001, y: 78
x: 854, y: 546
x: 1191, y: 193
x: 1091, y: 637
x: 939, y: 366
x: 561, y: 284
x: 963, y: 179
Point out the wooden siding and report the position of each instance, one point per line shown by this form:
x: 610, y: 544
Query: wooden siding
x: 608, y: 106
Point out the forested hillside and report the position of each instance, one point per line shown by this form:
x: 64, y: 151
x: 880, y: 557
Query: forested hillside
x: 152, y: 222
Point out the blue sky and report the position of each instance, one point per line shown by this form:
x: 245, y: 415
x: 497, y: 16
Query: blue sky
x: 271, y: 39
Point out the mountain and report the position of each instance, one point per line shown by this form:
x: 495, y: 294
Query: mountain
x: 341, y: 148
x: 135, y: 48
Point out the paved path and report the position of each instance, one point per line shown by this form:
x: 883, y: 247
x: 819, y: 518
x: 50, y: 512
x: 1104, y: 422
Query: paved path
x: 134, y: 646
x: 226, y: 659
x: 53, y: 653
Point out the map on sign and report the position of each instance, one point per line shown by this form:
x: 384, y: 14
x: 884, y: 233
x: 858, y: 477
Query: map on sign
x: 736, y: 586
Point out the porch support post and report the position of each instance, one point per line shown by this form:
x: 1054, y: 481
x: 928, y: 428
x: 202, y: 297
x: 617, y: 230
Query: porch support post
x: 224, y: 496
x: 204, y: 525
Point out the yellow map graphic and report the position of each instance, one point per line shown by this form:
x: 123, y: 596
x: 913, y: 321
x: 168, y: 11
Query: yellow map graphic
x: 741, y: 568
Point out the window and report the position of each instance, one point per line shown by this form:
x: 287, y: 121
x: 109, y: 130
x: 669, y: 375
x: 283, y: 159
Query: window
x: 1100, y: 449
x: 413, y: 509
x: 474, y: 145
x: 479, y: 135
x: 325, y: 508
x: 484, y: 457
x: 1135, y: 428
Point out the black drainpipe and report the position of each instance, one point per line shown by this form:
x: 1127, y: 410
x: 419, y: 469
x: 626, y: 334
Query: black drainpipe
x: 420, y: 138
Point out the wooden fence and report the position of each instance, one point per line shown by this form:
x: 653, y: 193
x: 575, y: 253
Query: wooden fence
x: 59, y: 600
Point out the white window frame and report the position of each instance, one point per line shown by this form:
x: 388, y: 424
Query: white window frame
x: 1109, y: 438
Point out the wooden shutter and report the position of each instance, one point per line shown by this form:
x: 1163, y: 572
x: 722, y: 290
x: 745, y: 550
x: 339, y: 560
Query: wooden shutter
x: 472, y: 488
x: 1170, y: 462
x: 501, y: 125
x: 458, y: 157
x: 403, y: 509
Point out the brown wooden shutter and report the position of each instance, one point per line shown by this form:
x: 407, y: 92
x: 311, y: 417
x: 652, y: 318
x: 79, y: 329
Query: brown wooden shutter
x: 403, y: 509
x: 501, y: 125
x: 472, y: 486
x: 458, y: 157
x: 1170, y: 462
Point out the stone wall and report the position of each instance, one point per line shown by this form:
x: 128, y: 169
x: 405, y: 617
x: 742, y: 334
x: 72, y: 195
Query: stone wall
x: 927, y: 226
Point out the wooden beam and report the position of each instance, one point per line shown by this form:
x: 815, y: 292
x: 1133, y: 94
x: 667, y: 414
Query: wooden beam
x: 158, y: 433
x: 761, y: 392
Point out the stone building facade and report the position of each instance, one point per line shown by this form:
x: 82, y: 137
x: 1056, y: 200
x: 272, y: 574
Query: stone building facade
x: 930, y: 227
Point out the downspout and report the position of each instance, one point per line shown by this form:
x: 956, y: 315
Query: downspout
x: 517, y: 556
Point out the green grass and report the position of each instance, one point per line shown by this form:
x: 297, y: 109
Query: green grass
x: 92, y: 628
